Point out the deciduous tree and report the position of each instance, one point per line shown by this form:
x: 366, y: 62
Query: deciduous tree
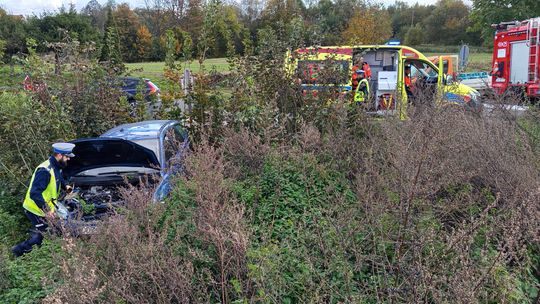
x: 144, y: 42
x: 368, y: 26
x: 127, y: 24
x: 13, y: 31
x: 487, y: 12
x: 448, y: 23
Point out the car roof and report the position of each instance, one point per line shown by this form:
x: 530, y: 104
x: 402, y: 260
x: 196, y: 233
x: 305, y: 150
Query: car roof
x: 147, y: 129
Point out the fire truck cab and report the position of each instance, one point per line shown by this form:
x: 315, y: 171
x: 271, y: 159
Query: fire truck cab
x: 516, y: 58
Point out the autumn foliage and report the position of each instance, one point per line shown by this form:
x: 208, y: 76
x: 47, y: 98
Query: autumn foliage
x: 368, y: 26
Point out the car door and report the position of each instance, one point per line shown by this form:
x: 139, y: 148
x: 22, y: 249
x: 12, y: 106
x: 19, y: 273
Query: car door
x: 174, y: 140
x: 174, y: 146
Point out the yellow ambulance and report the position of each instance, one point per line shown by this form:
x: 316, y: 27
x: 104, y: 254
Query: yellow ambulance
x: 320, y: 68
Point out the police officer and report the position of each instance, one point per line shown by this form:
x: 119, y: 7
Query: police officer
x: 39, y: 203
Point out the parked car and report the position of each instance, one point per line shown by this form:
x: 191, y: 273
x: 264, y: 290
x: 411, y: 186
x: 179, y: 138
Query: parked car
x: 131, y: 86
x: 149, y: 150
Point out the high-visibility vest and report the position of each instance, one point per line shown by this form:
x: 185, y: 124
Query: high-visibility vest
x: 354, y: 76
x: 50, y: 194
x: 407, y: 81
x: 359, y: 95
x: 367, y: 70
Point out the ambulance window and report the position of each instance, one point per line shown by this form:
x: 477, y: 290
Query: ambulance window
x: 420, y: 69
x: 323, y: 71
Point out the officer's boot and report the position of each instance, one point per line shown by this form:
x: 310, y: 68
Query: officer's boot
x: 35, y: 239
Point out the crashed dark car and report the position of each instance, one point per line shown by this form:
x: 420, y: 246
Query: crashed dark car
x: 148, y: 151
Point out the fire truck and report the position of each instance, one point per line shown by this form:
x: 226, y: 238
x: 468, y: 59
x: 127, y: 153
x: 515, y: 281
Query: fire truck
x: 516, y: 58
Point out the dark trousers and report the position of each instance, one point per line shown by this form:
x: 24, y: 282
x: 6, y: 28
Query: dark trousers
x: 39, y: 225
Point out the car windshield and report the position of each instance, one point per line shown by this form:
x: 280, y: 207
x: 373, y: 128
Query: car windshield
x: 146, y: 135
x: 136, y: 131
x: 150, y: 143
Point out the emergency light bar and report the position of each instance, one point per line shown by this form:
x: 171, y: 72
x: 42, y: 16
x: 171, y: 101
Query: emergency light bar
x: 393, y: 42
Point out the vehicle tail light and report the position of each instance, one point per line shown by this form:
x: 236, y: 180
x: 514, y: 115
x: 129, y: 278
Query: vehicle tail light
x: 153, y: 88
x: 467, y: 98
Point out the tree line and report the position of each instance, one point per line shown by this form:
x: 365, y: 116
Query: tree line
x: 215, y: 28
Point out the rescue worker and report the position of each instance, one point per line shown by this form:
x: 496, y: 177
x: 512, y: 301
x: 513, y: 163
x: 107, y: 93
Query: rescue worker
x: 355, y: 68
x: 43, y: 191
x: 366, y: 68
x: 360, y: 64
x: 497, y: 69
x: 407, y: 81
x: 361, y: 93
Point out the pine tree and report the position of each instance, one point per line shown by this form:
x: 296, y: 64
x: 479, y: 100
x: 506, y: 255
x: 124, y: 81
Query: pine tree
x: 105, y: 48
x: 110, y: 50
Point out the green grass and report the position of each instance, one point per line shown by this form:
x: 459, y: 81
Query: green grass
x: 154, y: 70
x: 478, y: 62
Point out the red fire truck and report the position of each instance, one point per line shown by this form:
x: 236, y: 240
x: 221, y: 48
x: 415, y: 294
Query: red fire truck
x: 516, y: 57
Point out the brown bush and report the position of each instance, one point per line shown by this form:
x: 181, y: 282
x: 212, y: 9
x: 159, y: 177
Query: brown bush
x: 129, y: 260
x: 444, y: 209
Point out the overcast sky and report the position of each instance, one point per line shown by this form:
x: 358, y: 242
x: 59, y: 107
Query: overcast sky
x: 29, y: 7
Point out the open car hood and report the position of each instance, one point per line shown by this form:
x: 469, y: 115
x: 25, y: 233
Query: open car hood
x: 91, y: 153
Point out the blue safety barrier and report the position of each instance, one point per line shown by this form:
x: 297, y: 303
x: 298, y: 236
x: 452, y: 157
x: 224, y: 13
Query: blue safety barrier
x: 464, y: 76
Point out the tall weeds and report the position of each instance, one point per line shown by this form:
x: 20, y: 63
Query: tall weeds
x: 289, y: 197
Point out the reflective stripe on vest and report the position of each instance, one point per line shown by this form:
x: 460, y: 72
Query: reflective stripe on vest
x: 50, y: 194
x: 359, y: 95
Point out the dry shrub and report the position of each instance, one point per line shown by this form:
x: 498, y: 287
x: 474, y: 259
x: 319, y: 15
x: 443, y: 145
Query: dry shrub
x: 191, y: 249
x: 442, y: 207
x: 309, y: 139
x: 245, y: 151
x: 129, y: 260
x: 219, y: 217
x: 456, y: 204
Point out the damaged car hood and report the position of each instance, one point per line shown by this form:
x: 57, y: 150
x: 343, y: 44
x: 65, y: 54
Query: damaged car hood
x: 92, y: 153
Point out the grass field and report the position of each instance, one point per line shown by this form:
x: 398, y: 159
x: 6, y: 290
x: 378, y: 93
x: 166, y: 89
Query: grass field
x: 478, y: 62
x: 155, y: 69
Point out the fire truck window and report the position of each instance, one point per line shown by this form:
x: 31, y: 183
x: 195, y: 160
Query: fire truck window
x: 445, y: 66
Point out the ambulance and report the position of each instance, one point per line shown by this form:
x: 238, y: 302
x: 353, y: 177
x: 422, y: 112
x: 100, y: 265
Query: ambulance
x: 388, y: 92
x: 516, y: 58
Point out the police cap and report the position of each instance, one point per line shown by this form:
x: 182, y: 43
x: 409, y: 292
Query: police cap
x: 64, y: 148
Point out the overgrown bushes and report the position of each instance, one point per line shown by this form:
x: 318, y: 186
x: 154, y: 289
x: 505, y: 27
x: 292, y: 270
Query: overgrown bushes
x: 28, y: 128
x: 293, y: 198
x: 79, y: 103
x: 30, y: 278
x: 441, y: 208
